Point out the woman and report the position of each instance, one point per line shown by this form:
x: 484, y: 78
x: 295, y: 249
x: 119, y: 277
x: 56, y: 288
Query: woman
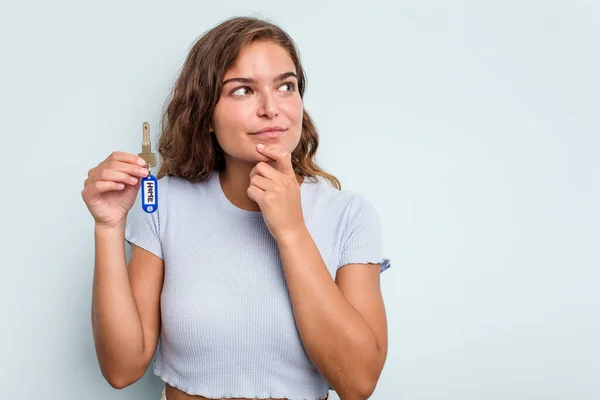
x: 239, y: 271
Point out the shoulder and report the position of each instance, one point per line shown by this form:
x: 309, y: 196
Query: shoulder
x: 175, y: 185
x: 346, y: 204
x: 319, y: 188
x: 172, y: 181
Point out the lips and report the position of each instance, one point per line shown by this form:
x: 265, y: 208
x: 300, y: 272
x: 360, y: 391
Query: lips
x: 272, y: 132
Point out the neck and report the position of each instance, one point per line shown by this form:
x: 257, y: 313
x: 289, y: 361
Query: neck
x: 235, y: 180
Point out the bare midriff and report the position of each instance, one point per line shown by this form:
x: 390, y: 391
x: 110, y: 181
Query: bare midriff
x: 175, y: 394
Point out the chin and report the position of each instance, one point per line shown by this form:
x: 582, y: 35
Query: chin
x: 249, y: 158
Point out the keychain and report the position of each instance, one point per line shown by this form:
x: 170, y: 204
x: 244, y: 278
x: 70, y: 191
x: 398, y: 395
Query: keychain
x: 149, y: 186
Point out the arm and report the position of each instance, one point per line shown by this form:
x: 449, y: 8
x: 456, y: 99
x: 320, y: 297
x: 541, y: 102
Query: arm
x: 125, y: 307
x: 342, y: 324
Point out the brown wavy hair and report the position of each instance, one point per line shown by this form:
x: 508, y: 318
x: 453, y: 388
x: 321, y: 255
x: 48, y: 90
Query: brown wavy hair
x: 187, y: 147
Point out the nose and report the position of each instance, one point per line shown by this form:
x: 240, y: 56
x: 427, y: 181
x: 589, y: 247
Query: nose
x: 268, y: 106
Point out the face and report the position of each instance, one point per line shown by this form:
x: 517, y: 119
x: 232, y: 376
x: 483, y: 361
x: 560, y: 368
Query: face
x: 260, y: 93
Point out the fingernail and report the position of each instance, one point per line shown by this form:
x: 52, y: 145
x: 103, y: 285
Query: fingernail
x: 260, y: 146
x: 141, y: 161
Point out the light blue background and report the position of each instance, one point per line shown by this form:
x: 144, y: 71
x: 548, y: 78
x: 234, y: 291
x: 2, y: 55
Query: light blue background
x: 472, y: 126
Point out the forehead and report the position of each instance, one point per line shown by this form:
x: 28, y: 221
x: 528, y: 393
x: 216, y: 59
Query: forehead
x: 261, y: 60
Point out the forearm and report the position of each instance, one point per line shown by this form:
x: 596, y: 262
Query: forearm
x: 336, y: 337
x: 116, y: 324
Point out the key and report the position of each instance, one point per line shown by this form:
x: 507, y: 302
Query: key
x: 149, y: 186
x: 147, y: 154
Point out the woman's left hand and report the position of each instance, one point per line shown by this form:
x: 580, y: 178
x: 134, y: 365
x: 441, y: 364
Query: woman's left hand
x: 277, y: 192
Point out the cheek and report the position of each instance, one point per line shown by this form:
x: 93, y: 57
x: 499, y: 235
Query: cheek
x: 294, y: 110
x: 240, y: 115
x: 230, y: 122
x: 232, y: 118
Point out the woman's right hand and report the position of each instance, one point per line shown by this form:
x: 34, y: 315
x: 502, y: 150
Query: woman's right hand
x: 111, y: 188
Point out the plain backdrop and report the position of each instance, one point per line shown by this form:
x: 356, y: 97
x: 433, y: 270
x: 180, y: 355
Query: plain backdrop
x: 472, y: 126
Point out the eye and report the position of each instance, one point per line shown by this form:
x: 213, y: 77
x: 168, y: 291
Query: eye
x: 241, y: 91
x: 290, y: 86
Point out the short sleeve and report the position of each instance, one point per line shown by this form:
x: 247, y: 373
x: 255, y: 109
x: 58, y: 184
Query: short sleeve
x: 361, y: 241
x: 143, y: 229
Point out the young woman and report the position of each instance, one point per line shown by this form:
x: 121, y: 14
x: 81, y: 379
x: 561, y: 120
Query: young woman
x: 257, y: 276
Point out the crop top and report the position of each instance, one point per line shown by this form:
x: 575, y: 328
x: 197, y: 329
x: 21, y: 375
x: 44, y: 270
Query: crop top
x: 227, y: 327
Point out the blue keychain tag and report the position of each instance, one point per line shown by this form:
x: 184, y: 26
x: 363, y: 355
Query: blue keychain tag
x: 149, y: 189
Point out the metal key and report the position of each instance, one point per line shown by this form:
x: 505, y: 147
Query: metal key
x: 147, y: 154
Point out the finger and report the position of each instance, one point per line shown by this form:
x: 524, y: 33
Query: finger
x: 104, y: 186
x: 263, y: 183
x: 282, y: 157
x: 264, y: 169
x: 115, y: 176
x: 126, y: 157
x: 126, y: 167
x: 255, y: 193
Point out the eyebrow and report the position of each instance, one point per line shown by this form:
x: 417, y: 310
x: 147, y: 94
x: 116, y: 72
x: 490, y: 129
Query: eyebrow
x: 252, y: 80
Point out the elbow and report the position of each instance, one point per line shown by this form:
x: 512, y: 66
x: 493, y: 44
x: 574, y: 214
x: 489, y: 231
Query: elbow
x: 369, y: 377
x: 366, y: 384
x: 121, y: 373
x: 118, y: 383
x: 366, y: 391
x: 360, y: 390
x: 120, y: 380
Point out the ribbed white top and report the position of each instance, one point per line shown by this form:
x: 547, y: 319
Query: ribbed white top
x: 227, y: 324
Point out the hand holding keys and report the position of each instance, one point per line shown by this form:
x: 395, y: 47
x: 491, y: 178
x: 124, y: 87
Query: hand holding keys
x: 111, y: 187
